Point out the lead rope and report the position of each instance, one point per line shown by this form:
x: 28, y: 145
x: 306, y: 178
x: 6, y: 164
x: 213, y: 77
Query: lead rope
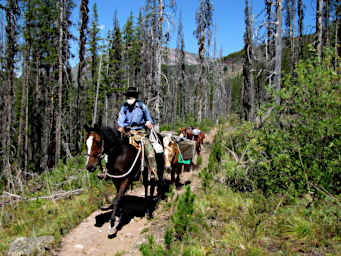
x: 142, y: 158
x: 131, y: 168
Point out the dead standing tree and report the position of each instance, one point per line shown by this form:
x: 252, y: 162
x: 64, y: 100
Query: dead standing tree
x: 247, y: 111
x: 12, y: 13
x: 80, y: 115
x: 318, y: 33
x: 278, y: 50
x: 202, y: 32
x: 60, y: 82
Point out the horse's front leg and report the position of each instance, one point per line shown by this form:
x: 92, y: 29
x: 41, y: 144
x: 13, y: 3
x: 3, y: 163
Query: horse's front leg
x: 122, y: 189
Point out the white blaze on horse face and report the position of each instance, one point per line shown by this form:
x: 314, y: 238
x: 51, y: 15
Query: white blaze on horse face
x: 89, y: 142
x: 181, y: 135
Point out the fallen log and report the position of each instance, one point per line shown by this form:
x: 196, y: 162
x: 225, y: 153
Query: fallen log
x: 56, y: 196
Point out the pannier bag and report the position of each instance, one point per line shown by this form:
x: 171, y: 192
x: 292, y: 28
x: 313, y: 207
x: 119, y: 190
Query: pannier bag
x: 187, y: 148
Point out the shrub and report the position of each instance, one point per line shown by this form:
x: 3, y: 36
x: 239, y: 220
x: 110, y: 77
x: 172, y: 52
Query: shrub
x: 298, y: 148
x: 182, y: 219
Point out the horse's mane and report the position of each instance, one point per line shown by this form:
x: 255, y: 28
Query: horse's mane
x: 113, y: 139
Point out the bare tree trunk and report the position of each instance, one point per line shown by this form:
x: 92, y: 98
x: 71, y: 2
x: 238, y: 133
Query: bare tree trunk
x: 326, y: 30
x: 300, y: 27
x: 248, y: 95
x: 318, y: 40
x: 11, y: 13
x: 106, y: 110
x: 278, y: 56
x: 94, y: 117
x: 26, y: 156
x: 269, y: 41
x: 201, y: 78
x: 292, y: 33
x: 60, y: 83
x: 22, y: 114
x: 338, y: 32
x: 158, y: 58
x: 82, y: 44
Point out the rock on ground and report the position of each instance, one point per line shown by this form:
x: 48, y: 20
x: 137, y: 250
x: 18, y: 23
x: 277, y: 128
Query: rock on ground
x: 23, y: 246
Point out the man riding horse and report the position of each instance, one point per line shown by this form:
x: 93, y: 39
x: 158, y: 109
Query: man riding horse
x: 134, y: 119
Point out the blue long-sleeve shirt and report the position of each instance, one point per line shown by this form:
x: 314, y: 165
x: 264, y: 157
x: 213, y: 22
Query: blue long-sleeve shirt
x: 135, y: 117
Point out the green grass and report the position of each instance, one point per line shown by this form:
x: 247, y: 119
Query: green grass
x: 52, y: 217
x: 227, y: 222
x: 199, y: 160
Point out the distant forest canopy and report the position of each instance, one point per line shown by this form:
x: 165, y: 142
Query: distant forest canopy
x: 45, y: 107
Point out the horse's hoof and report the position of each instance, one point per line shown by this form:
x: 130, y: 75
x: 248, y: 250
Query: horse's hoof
x: 112, y: 232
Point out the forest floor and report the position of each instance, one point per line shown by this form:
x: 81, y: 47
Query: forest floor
x: 90, y: 237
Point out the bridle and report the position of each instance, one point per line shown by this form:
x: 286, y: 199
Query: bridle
x: 100, y: 155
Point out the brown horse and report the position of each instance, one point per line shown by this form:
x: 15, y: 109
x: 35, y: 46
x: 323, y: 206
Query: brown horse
x: 123, y: 165
x: 171, y: 157
x: 199, y: 138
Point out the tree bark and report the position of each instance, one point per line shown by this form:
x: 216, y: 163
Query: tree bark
x: 300, y: 27
x: 60, y: 83
x: 248, y: 95
x: 94, y: 118
x: 326, y: 30
x: 158, y: 58
x: 82, y: 43
x: 278, y: 53
x: 318, y: 39
x: 11, y: 50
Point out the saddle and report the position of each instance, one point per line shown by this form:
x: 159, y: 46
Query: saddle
x: 135, y: 138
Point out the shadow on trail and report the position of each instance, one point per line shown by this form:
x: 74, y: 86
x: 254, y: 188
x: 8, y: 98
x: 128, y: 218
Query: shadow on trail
x: 135, y: 206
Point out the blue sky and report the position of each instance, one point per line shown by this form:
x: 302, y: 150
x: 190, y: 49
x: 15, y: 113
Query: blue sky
x: 228, y: 14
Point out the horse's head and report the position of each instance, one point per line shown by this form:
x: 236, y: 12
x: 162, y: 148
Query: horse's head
x: 183, y: 132
x: 94, y: 147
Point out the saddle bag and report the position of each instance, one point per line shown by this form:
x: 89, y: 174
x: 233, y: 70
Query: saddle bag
x: 187, y: 148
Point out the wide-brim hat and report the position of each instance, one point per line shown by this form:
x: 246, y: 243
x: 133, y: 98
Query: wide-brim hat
x: 132, y: 91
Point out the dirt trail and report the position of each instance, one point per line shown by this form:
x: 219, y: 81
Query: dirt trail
x: 89, y: 239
